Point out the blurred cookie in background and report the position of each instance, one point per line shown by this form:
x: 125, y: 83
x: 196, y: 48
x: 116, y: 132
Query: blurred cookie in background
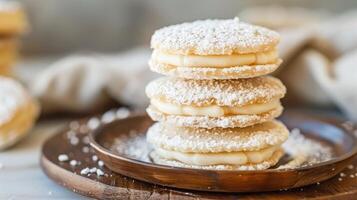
x: 13, y: 23
x: 18, y: 112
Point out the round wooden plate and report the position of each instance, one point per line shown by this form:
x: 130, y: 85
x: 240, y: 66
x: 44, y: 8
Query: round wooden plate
x: 116, y: 186
x: 342, y: 142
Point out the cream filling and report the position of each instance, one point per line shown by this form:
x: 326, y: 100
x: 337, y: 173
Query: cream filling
x: 214, y: 110
x: 215, y: 61
x: 224, y: 158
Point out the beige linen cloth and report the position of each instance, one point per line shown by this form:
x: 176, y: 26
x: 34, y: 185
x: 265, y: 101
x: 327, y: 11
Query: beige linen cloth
x: 88, y: 83
x: 319, y: 53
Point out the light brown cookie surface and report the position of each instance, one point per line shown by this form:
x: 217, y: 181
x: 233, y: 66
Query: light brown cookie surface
x: 240, y: 92
x: 12, y: 18
x: 214, y: 37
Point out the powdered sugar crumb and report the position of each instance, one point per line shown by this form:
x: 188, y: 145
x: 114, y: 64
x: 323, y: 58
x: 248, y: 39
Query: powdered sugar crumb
x: 132, y: 145
x: 63, y: 157
x: 305, y: 151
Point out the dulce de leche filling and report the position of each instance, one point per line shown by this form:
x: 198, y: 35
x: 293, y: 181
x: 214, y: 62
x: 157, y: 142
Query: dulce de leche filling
x: 224, y: 158
x: 215, y: 61
x: 213, y: 110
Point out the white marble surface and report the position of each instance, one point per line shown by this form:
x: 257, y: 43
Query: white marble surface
x: 20, y: 174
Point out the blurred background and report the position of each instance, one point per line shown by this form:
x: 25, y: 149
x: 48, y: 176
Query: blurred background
x: 79, y: 39
x: 62, y: 27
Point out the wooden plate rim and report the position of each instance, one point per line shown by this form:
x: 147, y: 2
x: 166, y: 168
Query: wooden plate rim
x: 94, y: 144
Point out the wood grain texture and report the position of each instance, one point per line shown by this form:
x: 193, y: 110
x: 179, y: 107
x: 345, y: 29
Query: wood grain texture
x: 114, y: 186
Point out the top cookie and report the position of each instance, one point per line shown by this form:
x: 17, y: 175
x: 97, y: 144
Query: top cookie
x: 12, y: 18
x: 214, y: 37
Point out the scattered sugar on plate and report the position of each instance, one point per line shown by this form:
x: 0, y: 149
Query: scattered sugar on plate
x: 85, y: 149
x: 73, y: 163
x: 305, y: 151
x: 108, y: 116
x: 100, y: 163
x: 122, y: 113
x: 93, y: 170
x: 132, y: 145
x: 85, y: 171
x: 93, y: 123
x: 99, y: 172
x: 94, y: 158
x: 63, y: 157
x: 74, y: 140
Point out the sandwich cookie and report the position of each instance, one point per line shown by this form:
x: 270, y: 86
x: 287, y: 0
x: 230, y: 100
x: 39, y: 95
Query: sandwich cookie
x: 215, y: 103
x: 215, y: 49
x: 8, y: 55
x: 254, y: 147
x: 12, y: 18
x: 18, y: 112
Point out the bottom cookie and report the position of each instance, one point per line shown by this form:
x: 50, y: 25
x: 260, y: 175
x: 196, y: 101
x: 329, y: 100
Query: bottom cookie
x: 259, y: 166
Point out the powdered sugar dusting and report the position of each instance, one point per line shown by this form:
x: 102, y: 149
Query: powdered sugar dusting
x: 132, y: 145
x: 12, y: 96
x: 236, y: 92
x: 305, y: 151
x: 214, y: 37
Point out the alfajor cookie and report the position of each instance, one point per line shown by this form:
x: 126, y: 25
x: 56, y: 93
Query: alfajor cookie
x: 8, y: 55
x: 254, y: 147
x: 18, y: 112
x: 12, y: 18
x: 215, y: 49
x: 215, y: 103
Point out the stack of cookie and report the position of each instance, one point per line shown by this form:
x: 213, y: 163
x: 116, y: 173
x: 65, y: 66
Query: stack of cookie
x: 12, y: 24
x: 216, y: 109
